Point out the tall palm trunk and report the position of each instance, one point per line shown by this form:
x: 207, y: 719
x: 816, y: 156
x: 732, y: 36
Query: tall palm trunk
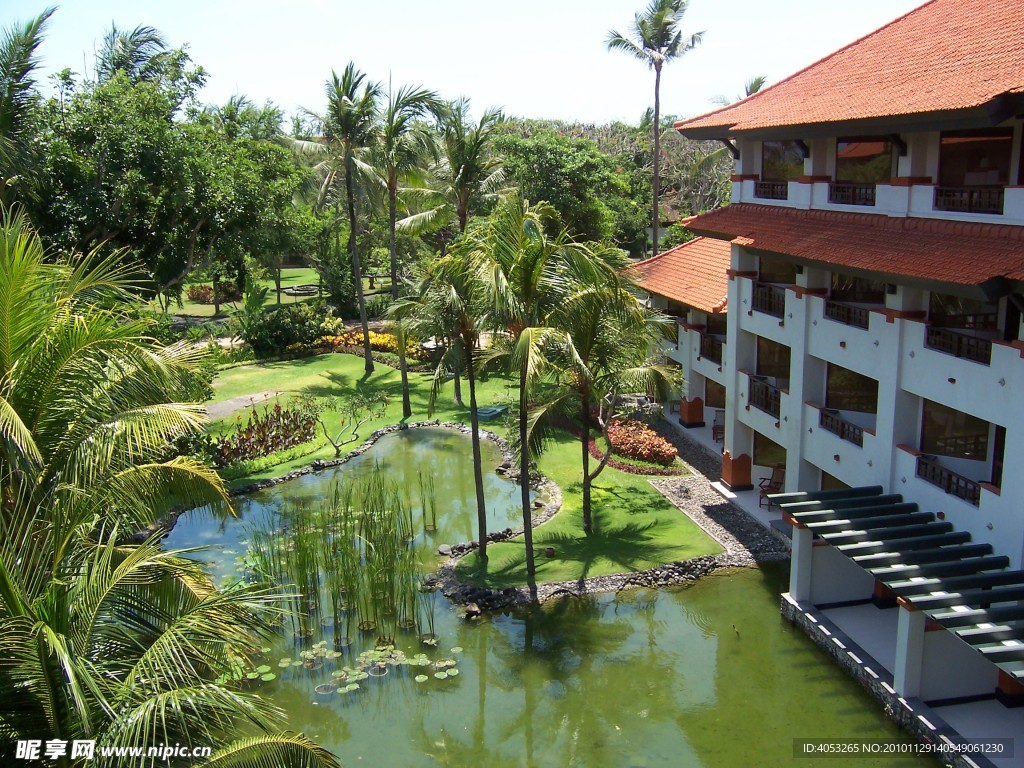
x: 357, y: 272
x: 403, y: 364
x: 474, y: 422
x: 524, y: 484
x: 657, y: 155
x: 585, y: 441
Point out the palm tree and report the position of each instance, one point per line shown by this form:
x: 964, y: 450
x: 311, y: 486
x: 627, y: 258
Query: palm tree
x: 449, y: 302
x: 467, y: 170
x: 525, y: 278
x: 101, y: 638
x: 138, y: 53
x: 655, y: 39
x: 608, y: 334
x: 18, y: 63
x: 752, y: 86
x: 348, y: 129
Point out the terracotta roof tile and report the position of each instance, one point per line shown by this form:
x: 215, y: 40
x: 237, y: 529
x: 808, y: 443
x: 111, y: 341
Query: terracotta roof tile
x: 692, y: 273
x: 932, y: 249
x: 945, y: 55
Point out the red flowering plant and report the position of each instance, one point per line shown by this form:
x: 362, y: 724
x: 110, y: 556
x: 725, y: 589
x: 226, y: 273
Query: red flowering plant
x: 634, y: 440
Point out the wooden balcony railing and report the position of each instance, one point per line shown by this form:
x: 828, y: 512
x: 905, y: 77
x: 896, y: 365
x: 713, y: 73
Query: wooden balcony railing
x: 846, y: 313
x: 765, y: 396
x: 929, y: 470
x: 772, y: 190
x: 847, y: 193
x: 959, y: 344
x: 831, y: 421
x: 770, y: 299
x: 711, y: 348
x: 969, y: 199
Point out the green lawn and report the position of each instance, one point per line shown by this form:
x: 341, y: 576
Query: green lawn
x: 289, y: 278
x: 635, y: 527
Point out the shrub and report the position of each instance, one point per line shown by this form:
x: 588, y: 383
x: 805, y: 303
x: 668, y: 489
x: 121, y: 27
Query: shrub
x: 380, y: 342
x: 266, y: 431
x: 634, y: 440
x: 273, y: 332
x: 199, y: 294
x: 378, y: 304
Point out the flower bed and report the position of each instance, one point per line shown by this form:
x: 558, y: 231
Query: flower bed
x: 634, y: 440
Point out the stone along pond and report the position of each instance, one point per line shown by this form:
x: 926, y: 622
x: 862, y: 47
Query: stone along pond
x: 702, y: 675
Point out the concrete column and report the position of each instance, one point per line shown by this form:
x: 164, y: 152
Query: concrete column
x: 801, y: 564
x: 909, y: 651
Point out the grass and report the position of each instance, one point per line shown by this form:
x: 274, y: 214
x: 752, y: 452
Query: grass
x: 635, y: 526
x: 290, y: 277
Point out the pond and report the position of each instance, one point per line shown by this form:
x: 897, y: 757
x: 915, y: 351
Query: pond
x: 704, y: 675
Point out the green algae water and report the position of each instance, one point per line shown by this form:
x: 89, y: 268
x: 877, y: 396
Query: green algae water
x: 704, y: 675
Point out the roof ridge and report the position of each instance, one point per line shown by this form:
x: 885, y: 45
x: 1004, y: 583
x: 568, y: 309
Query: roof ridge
x: 753, y: 97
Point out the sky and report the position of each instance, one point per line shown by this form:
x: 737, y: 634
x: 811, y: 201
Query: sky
x: 534, y: 58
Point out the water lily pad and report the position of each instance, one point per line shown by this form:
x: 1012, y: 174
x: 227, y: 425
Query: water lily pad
x: 333, y: 655
x: 421, y: 678
x: 253, y: 675
x: 267, y: 677
x: 440, y: 675
x: 457, y: 649
x: 284, y: 664
x: 349, y: 688
x: 263, y: 669
x: 265, y: 649
x: 454, y: 671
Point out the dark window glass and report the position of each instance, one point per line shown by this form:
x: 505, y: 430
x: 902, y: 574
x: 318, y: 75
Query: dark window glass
x: 958, y: 312
x: 772, y: 359
x: 849, y: 391
x: 830, y: 483
x: 714, y: 394
x: 781, y: 161
x: 767, y: 452
x: 975, y: 158
x: 849, y: 288
x: 948, y: 432
x: 717, y: 324
x: 776, y: 271
x: 864, y: 160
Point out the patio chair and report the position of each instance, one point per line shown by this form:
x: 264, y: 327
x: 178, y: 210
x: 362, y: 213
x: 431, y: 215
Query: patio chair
x: 769, y: 485
x: 718, y: 426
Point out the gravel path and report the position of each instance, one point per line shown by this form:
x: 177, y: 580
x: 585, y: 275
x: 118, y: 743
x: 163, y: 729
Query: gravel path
x: 224, y: 407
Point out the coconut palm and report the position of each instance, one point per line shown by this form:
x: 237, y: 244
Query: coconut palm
x: 654, y: 38
x: 449, y: 302
x: 101, y: 638
x: 752, y: 86
x: 138, y: 53
x: 525, y: 275
x: 608, y: 334
x: 348, y: 129
x: 18, y: 63
x: 468, y: 169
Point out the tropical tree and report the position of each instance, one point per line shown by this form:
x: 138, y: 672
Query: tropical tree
x: 139, y: 53
x: 654, y: 38
x: 348, y: 129
x: 101, y: 638
x: 608, y: 335
x: 467, y: 171
x: 752, y: 86
x: 526, y: 273
x: 18, y: 63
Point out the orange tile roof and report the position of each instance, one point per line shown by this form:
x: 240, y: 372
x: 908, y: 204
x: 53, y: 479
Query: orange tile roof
x: 692, y: 273
x: 946, y: 55
x: 929, y: 249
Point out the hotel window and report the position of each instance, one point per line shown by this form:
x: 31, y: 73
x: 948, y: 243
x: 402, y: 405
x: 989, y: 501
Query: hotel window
x: 859, y: 289
x: 781, y: 161
x: 847, y: 390
x: 865, y: 160
x: 714, y: 394
x: 773, y: 360
x: 767, y: 452
x: 948, y: 432
x: 776, y: 271
x: 975, y: 158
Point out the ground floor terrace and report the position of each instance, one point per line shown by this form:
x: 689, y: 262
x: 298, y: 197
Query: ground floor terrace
x: 949, y: 679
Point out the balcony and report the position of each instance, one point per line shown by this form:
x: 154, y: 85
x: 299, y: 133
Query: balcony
x: 831, y: 421
x: 770, y: 299
x: 958, y: 344
x: 969, y: 199
x: 764, y: 396
x: 771, y: 190
x: 929, y: 470
x: 848, y: 193
x: 711, y: 348
x: 848, y: 314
